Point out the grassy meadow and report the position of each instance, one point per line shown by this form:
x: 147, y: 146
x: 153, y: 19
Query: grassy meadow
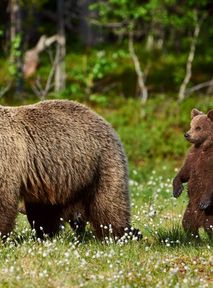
x: 165, y: 257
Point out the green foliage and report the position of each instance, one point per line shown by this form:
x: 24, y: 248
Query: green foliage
x: 14, y: 54
x: 174, y: 237
x: 166, y: 12
x: 128, y: 12
x: 102, y: 66
x: 91, y: 70
x: 155, y: 18
x: 99, y: 99
x: 106, y: 69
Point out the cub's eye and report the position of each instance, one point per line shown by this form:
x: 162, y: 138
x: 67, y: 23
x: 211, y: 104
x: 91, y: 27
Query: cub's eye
x: 198, y: 128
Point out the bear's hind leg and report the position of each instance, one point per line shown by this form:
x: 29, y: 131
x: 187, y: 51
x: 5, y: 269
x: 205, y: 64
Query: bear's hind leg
x: 209, y: 232
x: 108, y: 219
x: 109, y: 207
x: 208, y: 226
x: 44, y: 218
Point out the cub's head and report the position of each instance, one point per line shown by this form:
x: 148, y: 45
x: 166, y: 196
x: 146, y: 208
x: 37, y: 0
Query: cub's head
x: 201, y: 128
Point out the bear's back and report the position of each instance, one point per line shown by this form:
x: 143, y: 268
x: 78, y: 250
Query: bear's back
x: 65, y: 142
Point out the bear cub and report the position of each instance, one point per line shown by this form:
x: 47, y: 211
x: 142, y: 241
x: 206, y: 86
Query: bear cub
x: 198, y: 172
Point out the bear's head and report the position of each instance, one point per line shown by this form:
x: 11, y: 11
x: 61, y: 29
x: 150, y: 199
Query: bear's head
x: 201, y: 128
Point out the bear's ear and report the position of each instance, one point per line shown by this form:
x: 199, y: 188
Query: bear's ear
x: 195, y: 112
x: 210, y: 115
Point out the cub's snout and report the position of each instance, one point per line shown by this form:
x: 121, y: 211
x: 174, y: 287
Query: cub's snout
x: 186, y: 135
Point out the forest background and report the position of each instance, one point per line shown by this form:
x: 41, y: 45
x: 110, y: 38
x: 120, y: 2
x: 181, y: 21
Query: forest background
x: 142, y: 65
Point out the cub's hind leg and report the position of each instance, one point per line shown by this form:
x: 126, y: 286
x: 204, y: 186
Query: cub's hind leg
x: 190, y: 223
x: 208, y: 222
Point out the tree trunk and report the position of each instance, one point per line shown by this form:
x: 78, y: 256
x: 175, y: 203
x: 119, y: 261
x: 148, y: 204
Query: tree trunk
x: 16, y: 54
x: 90, y: 34
x: 60, y: 74
x: 182, y: 91
x: 139, y: 72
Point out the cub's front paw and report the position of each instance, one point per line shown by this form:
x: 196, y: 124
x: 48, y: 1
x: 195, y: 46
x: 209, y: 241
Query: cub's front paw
x: 177, y: 190
x: 203, y: 205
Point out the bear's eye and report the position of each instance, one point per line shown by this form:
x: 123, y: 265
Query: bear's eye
x: 198, y: 128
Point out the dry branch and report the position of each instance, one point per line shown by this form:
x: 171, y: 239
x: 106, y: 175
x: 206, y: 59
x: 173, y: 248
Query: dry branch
x: 41, y: 91
x: 182, y: 90
x: 138, y: 70
x: 199, y: 86
x: 31, y: 57
x: 4, y: 90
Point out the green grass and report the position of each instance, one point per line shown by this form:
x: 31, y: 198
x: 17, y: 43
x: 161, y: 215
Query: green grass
x: 165, y: 257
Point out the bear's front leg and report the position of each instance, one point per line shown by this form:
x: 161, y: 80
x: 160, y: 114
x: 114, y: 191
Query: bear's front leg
x: 44, y: 218
x: 206, y: 201
x: 184, y: 174
x: 182, y: 177
x: 177, y: 186
x: 8, y: 212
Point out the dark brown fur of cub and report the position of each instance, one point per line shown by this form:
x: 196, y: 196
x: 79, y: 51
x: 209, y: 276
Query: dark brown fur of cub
x: 198, y: 172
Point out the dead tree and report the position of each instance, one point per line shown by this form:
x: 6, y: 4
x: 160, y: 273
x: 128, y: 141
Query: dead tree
x: 31, y: 57
x: 40, y: 90
x: 138, y: 70
x: 60, y: 74
x: 182, y: 90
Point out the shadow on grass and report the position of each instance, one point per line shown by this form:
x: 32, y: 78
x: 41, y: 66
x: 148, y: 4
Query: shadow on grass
x: 173, y: 236
x: 176, y: 237
x: 24, y: 234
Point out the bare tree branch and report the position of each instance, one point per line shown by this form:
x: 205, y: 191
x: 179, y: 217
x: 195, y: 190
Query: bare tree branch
x: 37, y: 87
x: 31, y: 57
x: 138, y: 70
x: 4, y: 90
x: 199, y: 86
x: 109, y: 25
x: 182, y: 90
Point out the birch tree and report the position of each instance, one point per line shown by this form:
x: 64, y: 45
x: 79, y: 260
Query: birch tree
x: 125, y: 18
x: 191, y: 55
x: 60, y: 74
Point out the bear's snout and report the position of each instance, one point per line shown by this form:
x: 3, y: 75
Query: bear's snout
x: 186, y: 135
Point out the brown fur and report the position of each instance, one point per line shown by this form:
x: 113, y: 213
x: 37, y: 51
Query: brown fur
x: 198, y: 172
x: 64, y: 161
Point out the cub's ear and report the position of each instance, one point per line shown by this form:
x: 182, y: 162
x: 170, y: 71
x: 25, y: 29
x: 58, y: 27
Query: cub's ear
x: 210, y: 115
x: 195, y: 112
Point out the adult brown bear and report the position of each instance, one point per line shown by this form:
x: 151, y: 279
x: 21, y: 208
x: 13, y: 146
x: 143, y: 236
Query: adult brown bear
x: 66, y: 162
x: 198, y: 172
